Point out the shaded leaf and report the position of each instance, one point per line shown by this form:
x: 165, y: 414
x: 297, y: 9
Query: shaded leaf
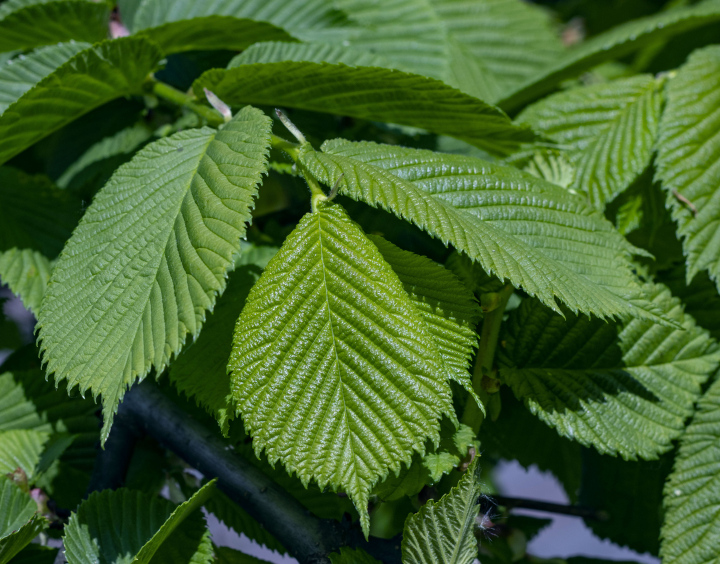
x: 26, y: 273
x: 13, y: 543
x: 21, y: 448
x: 46, y: 23
x: 624, y: 390
x: 89, y: 79
x: 688, y: 160
x: 143, y: 524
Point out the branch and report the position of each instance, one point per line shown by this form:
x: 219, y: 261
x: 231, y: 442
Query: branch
x: 575, y: 510
x: 308, y: 538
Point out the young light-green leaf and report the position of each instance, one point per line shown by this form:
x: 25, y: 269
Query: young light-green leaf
x: 688, y: 162
x: 442, y: 532
x: 333, y: 370
x: 19, y: 521
x: 26, y: 272
x: 150, y: 256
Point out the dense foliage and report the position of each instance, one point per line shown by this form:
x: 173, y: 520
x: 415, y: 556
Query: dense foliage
x: 510, y: 249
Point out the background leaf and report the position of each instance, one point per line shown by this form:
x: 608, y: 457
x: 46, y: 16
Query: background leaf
x: 689, y: 159
x: 89, y: 79
x: 150, y: 255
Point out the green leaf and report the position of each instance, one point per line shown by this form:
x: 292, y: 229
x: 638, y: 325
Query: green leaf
x: 536, y: 235
x: 16, y: 541
x: 200, y: 371
x: 692, y: 493
x: 443, y: 531
x: 631, y: 520
x: 349, y: 555
x: 21, y: 448
x: 51, y: 22
x: 19, y: 75
x: 17, y: 518
x: 150, y: 255
x: 447, y: 308
x: 26, y: 272
x: 324, y: 327
x: 213, y: 32
x: 17, y: 411
x: 511, y: 40
x: 688, y: 162
x: 89, y: 79
x: 607, y: 129
x: 304, y: 17
x: 624, y: 390
x: 611, y: 45
x: 368, y: 93
x: 34, y: 214
x: 275, y: 52
x: 143, y: 524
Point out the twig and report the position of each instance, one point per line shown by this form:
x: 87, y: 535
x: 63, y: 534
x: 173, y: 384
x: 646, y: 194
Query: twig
x: 575, y: 510
x: 308, y: 538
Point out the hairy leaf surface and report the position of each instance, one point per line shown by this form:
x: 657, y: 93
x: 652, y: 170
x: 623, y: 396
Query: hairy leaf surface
x: 89, y: 79
x: 625, y: 391
x: 443, y: 531
x: 20, y: 75
x: 368, y: 93
x: 516, y: 226
x: 143, y: 525
x: 692, y: 493
x: 46, y: 23
x: 607, y: 129
x: 333, y: 370
x: 689, y: 159
x: 611, y: 45
x: 150, y: 255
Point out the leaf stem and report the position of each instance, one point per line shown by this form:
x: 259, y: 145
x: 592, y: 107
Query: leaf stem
x: 485, y: 358
x: 175, y: 96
